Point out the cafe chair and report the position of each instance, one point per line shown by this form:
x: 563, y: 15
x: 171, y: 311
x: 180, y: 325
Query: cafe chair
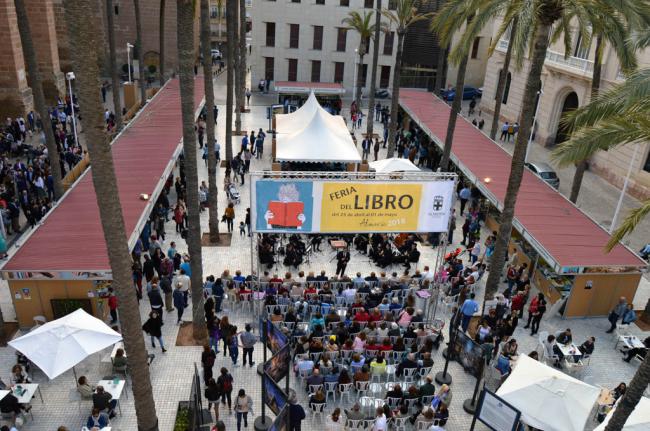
x: 423, y: 425
x: 39, y: 320
x: 346, y: 389
x: 410, y: 374
x: 330, y: 388
x: 362, y: 388
x: 393, y: 403
x: 317, y: 409
x: 400, y: 424
x: 354, y: 425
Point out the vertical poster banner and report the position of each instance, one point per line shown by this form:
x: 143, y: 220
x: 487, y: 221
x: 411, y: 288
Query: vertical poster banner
x: 283, y: 206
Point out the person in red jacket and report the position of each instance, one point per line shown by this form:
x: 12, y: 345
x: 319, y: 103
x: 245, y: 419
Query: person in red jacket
x: 112, y: 304
x: 518, y: 303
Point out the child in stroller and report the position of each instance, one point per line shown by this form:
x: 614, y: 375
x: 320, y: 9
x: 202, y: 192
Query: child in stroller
x: 232, y: 193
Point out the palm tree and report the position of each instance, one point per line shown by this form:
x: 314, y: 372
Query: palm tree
x: 404, y: 15
x: 501, y: 84
x: 362, y: 25
x: 611, y: 24
x: 231, y: 7
x: 112, y: 61
x: 161, y: 42
x: 441, y: 60
x: 213, y: 209
x: 373, y: 73
x: 540, y: 22
x: 83, y: 39
x: 185, y: 43
x: 140, y: 47
x: 242, y: 60
x: 39, y: 98
x: 237, y: 64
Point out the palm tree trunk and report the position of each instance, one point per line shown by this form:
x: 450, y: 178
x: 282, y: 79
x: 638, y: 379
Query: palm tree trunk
x: 242, y: 60
x: 161, y: 43
x: 581, y: 166
x: 501, y: 85
x: 112, y: 61
x: 357, y: 96
x: 237, y: 71
x: 373, y: 72
x: 185, y: 42
x: 39, y: 98
x: 213, y: 210
x: 394, y: 103
x: 540, y: 45
x: 455, y: 110
x: 138, y: 43
x: 440, y: 70
x: 632, y: 396
x: 231, y: 6
x: 83, y: 41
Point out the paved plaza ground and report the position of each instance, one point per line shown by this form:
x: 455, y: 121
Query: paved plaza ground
x: 171, y: 372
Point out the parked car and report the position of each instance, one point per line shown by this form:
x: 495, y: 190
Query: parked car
x: 545, y: 172
x: 382, y: 93
x: 468, y: 93
x: 216, y: 54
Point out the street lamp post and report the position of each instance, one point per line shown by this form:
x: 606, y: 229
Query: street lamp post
x: 128, y: 59
x: 70, y: 77
x: 532, y: 129
x: 354, y: 83
x: 619, y: 205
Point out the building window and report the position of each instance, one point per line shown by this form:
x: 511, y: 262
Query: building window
x: 345, y: 3
x: 368, y: 4
x: 270, y: 34
x: 294, y: 35
x: 392, y: 4
x: 269, y: 65
x: 320, y: 1
x: 292, y: 75
x: 384, y: 77
x: 506, y: 90
x: 364, y: 75
x: 475, y: 46
x: 339, y: 68
x: 214, y: 12
x: 341, y: 37
x: 581, y: 49
x: 389, y: 38
x: 318, y: 37
x: 315, y: 71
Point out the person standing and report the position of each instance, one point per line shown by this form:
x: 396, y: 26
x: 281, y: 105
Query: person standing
x: 469, y: 307
x: 247, y: 221
x: 504, y: 131
x: 179, y: 301
x: 224, y: 382
x: 153, y: 327
x: 185, y: 281
x: 376, y: 149
x: 464, y: 196
x: 208, y: 357
x: 342, y: 259
x: 365, y: 148
x: 229, y: 215
x: 248, y: 97
x: 259, y: 147
x: 296, y: 414
x: 112, y: 304
x: 213, y: 394
x: 248, y: 340
x: 233, y: 346
x: 617, y: 312
x: 168, y: 291
x: 243, y: 404
x: 155, y: 300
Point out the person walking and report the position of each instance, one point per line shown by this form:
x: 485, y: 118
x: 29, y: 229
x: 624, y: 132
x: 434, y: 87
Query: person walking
x: 243, y: 405
x: 247, y: 221
x: 504, y: 131
x: 248, y: 340
x: 469, y: 307
x: 229, y: 215
x: 208, y: 357
x: 464, y: 195
x: 617, y: 312
x: 538, y: 314
x: 112, y: 304
x: 224, y: 382
x: 155, y: 300
x: 168, y: 291
x: 248, y: 97
x: 153, y: 327
x: 213, y: 394
x: 179, y: 301
x: 233, y: 346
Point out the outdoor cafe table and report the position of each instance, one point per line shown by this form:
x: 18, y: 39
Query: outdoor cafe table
x: 114, y: 389
x: 630, y: 342
x: 30, y: 390
x: 570, y: 350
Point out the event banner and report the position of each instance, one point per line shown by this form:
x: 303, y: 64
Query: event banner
x: 309, y: 206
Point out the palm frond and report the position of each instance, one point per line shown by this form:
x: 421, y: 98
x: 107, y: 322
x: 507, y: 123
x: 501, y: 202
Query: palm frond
x: 629, y: 224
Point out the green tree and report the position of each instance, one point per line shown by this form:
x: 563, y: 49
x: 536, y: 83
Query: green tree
x: 83, y: 40
x: 112, y: 63
x: 161, y: 43
x: 39, y: 99
x: 373, y: 72
x: 404, y: 15
x: 140, y: 48
x: 185, y: 43
x: 213, y: 209
x: 362, y: 24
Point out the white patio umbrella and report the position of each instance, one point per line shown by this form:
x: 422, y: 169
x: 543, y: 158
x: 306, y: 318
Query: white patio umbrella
x: 57, y: 346
x: 547, y: 398
x: 639, y: 420
x: 394, y: 164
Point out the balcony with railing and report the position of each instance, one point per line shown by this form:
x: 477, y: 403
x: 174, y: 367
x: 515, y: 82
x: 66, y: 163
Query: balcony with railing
x: 575, y: 65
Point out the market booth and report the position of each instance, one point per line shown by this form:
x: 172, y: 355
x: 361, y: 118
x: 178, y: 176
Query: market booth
x: 62, y: 264
x: 328, y: 94
x: 563, y: 247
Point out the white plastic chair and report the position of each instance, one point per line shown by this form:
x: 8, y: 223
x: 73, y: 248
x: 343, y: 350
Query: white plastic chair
x: 330, y: 388
x: 317, y: 409
x: 346, y: 389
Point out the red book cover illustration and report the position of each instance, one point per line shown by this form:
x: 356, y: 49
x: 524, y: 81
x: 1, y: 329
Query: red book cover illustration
x: 285, y: 214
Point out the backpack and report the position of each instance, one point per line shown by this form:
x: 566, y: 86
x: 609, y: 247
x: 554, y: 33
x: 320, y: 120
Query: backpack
x: 227, y: 383
x: 511, y: 130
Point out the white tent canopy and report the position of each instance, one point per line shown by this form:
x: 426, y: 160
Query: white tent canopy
x: 317, y: 136
x: 639, y: 420
x: 394, y: 164
x: 57, y: 346
x: 547, y: 398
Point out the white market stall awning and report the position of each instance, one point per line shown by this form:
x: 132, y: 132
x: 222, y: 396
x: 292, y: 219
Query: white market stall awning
x: 288, y: 123
x: 547, y: 398
x: 394, y: 164
x: 639, y: 420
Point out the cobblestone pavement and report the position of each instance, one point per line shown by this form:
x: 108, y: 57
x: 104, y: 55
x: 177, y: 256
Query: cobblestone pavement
x: 171, y: 372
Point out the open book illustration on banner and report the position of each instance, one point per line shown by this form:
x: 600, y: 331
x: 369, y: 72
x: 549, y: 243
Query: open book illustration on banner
x: 287, y: 211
